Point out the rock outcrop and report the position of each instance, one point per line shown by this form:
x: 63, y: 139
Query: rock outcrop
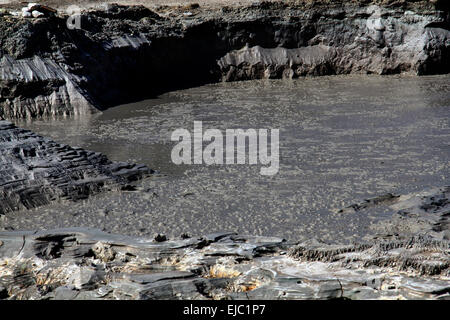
x: 89, y: 264
x: 80, y: 263
x: 126, y: 53
x: 37, y: 86
x: 342, y: 40
x: 35, y: 171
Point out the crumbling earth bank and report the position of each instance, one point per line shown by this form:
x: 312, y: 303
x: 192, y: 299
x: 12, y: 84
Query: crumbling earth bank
x: 126, y: 53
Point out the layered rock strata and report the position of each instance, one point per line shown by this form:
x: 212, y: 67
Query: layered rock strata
x: 126, y: 53
x: 76, y: 263
x: 35, y: 171
x: 89, y: 264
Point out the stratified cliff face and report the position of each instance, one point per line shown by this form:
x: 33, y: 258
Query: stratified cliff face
x: 348, y: 39
x: 35, y: 171
x: 38, y: 86
x: 128, y: 53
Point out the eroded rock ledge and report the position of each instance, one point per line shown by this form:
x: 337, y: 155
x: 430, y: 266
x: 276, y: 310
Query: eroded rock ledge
x: 127, y: 53
x: 78, y: 263
x: 35, y: 171
x: 89, y: 264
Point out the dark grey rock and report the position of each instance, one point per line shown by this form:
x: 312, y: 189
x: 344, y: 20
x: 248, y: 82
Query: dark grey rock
x: 36, y: 171
x: 3, y: 292
x: 181, y: 269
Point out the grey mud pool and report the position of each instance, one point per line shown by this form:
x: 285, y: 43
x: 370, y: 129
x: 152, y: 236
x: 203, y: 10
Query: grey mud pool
x: 343, y: 139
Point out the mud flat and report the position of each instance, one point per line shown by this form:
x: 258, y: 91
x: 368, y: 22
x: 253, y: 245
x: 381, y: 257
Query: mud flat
x: 343, y: 139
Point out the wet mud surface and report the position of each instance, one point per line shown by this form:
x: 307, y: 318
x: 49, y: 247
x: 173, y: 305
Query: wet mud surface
x: 342, y: 140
